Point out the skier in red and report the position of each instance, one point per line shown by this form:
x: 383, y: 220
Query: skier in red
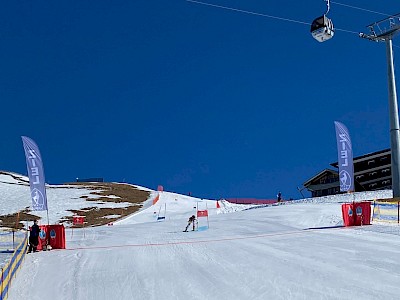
x: 191, y: 220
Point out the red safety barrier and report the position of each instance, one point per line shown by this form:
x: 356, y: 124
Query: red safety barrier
x: 348, y: 214
x: 57, y: 236
x: 53, y: 235
x: 362, y: 213
x: 43, y: 236
x: 356, y: 213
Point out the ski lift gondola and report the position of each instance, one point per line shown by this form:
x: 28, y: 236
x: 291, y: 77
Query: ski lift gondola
x: 322, y: 27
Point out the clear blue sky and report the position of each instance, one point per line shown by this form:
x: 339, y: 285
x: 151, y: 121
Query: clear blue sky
x: 195, y: 98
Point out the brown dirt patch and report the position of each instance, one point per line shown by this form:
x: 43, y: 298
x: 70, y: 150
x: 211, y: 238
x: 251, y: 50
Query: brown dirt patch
x: 94, y: 216
x: 16, y: 220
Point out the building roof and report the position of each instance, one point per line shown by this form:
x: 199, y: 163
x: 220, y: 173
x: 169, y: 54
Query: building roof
x: 323, y: 172
x: 365, y: 156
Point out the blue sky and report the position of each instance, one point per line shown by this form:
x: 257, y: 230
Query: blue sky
x: 197, y: 99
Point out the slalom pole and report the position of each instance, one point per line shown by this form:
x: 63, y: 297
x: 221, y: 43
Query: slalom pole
x: 208, y: 223
x: 17, y: 223
x: 373, y: 210
x: 197, y: 216
x: 48, y: 228
x: 15, y: 229
x: 159, y: 213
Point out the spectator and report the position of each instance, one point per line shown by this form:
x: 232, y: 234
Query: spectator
x: 34, y: 237
x: 279, y: 196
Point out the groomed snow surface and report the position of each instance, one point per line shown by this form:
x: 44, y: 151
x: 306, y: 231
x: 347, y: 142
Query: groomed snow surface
x: 248, y: 252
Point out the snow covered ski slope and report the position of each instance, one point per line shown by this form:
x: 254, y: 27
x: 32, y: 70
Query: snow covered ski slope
x: 264, y: 253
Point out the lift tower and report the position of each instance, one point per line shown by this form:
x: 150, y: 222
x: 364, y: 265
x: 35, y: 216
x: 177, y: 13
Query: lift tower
x: 384, y: 31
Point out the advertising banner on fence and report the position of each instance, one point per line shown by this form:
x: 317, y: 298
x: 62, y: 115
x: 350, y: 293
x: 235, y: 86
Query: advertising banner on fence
x: 345, y: 158
x: 36, y: 174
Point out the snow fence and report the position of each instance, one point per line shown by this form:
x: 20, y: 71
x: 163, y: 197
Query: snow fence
x: 8, y: 272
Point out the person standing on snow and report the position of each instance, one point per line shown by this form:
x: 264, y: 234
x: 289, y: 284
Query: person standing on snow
x: 34, y: 237
x: 191, y: 220
x: 279, y: 196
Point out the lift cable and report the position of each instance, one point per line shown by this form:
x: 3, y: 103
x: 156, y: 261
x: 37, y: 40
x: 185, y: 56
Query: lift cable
x: 262, y: 15
x: 286, y: 19
x: 363, y: 9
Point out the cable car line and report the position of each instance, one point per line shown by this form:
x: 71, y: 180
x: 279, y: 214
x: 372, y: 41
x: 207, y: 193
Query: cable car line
x: 248, y: 12
x: 363, y: 9
x: 328, y: 4
x: 263, y: 15
x: 286, y: 19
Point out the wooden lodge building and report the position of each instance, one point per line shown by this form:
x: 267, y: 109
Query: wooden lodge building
x: 371, y: 172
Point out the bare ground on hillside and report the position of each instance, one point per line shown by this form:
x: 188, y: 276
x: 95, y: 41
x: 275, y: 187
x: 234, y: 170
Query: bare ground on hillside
x: 94, y: 216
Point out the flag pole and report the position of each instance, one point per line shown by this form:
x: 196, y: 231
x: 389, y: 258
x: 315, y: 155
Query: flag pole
x: 197, y: 215
x: 158, y: 213
x: 208, y: 223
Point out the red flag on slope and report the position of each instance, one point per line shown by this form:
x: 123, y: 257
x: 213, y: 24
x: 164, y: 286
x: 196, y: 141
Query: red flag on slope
x: 78, y: 220
x: 202, y: 213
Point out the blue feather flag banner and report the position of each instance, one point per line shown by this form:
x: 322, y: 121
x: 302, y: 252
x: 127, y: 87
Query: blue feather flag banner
x: 36, y: 174
x: 345, y: 158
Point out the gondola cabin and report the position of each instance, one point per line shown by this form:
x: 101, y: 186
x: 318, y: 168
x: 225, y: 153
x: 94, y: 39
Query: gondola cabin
x: 322, y: 29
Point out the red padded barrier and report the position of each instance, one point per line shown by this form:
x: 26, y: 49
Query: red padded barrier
x: 53, y: 235
x: 348, y: 214
x: 362, y: 213
x: 356, y: 213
